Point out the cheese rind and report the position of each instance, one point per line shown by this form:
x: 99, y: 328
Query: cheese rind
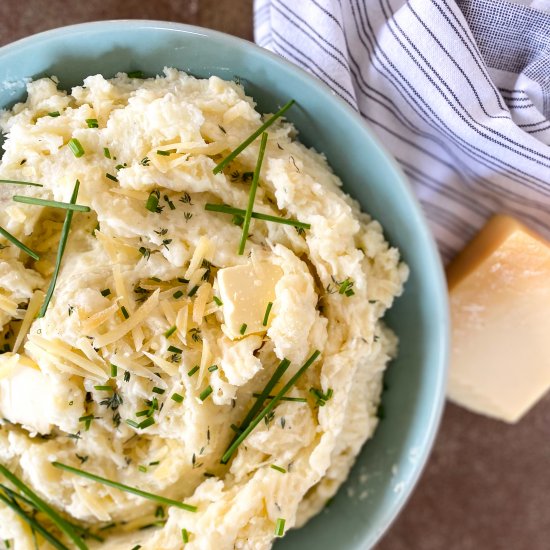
x: 500, y: 310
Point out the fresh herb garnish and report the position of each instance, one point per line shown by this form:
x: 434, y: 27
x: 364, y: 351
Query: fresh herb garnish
x: 146, y: 423
x: 170, y: 331
x: 212, y: 368
x: 166, y: 152
x: 193, y: 291
x: 19, y: 182
x: 54, y: 114
x: 252, y: 194
x: 242, y: 330
x: 278, y: 468
x: 178, y: 294
x: 218, y: 301
x: 135, y: 74
x: 52, y: 204
x: 60, y: 251
x: 320, y: 397
x: 127, y: 488
x: 185, y: 536
x: 111, y: 177
x: 106, y: 152
x: 76, y: 147
x: 92, y: 123
x: 280, y: 527
x: 267, y: 312
x: 229, y: 158
x: 177, y: 398
x: 224, y: 209
x: 105, y: 292
x: 152, y: 203
x: 158, y: 390
x: 205, y: 393
x: 87, y: 421
x: 193, y: 370
x: 7, y: 235
x: 124, y: 312
x: 104, y: 388
x: 290, y: 399
x: 145, y: 161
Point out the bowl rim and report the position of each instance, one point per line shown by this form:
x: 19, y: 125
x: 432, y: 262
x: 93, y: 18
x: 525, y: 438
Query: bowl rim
x: 441, y: 357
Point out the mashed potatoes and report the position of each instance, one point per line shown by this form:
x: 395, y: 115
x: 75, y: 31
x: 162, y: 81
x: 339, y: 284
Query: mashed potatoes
x: 159, y: 335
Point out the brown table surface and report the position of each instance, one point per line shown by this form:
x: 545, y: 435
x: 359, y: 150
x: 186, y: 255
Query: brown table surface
x: 487, y: 484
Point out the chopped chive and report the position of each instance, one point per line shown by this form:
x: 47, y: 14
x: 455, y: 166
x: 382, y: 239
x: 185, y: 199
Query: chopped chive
x: 218, y: 301
x: 349, y: 292
x: 160, y: 391
x: 124, y: 312
x: 229, y: 158
x: 185, y: 536
x: 224, y: 209
x: 152, y: 203
x: 252, y: 194
x: 43, y: 507
x: 104, y: 388
x: 269, y: 408
x: 344, y: 286
x: 114, y: 370
x: 177, y: 397
x: 60, y: 251
x: 19, y: 182
x: 170, y: 331
x: 193, y: 291
x: 146, y: 423
x: 111, y: 177
x: 213, y: 368
x: 267, y: 312
x: 166, y: 153
x: 106, y: 152
x: 54, y: 114
x: 205, y: 393
x: 178, y: 294
x: 7, y: 235
x: 280, y: 527
x: 135, y: 74
x: 76, y: 147
x: 127, y: 488
x: 92, y: 123
x: 87, y: 421
x: 136, y: 547
x: 132, y: 423
x: 154, y: 463
x: 144, y: 412
x: 242, y: 330
x: 127, y: 376
x: 53, y: 204
x: 278, y: 468
x: 174, y: 349
x: 106, y: 292
x: 193, y: 370
x: 290, y: 399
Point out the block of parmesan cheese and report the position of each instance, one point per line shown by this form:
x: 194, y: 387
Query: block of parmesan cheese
x: 499, y: 289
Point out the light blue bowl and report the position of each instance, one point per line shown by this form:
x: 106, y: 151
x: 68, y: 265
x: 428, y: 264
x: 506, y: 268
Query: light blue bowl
x: 391, y: 463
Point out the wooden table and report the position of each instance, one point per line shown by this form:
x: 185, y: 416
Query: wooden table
x: 487, y: 485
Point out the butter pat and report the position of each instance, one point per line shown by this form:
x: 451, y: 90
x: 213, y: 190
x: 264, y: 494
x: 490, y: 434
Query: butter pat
x: 500, y: 311
x: 246, y: 291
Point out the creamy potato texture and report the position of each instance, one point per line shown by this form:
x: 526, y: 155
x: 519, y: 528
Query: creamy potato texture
x: 149, y: 304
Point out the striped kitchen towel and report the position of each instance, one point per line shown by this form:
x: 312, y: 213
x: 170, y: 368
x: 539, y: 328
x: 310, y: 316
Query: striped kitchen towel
x: 459, y: 92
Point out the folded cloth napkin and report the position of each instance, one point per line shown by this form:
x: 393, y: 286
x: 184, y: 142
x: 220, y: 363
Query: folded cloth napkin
x: 458, y: 92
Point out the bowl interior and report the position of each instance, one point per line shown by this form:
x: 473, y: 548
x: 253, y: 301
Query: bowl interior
x: 390, y: 464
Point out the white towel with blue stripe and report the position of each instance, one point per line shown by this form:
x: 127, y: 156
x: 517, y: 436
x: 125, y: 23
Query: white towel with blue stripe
x: 458, y: 92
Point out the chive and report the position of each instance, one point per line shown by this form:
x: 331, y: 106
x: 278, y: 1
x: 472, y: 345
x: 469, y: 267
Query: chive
x: 174, y: 349
x: 160, y: 391
x: 280, y: 527
x: 135, y: 74
x: 60, y: 250
x: 193, y: 370
x: 213, y: 368
x: 153, y: 201
x: 124, y: 312
x: 106, y: 292
x: 170, y: 331
x: 35, y: 525
x: 111, y: 177
x: 87, y: 421
x: 178, y: 294
x: 349, y: 292
x: 76, y: 147
x: 267, y: 410
x: 167, y: 152
x: 114, y: 370
x: 224, y: 209
x: 267, y: 312
x: 229, y: 158
x: 136, y: 547
x: 278, y: 468
x: 54, y: 114
x: 177, y: 397
x: 53, y: 204
x: 127, y: 488
x: 106, y: 152
x: 252, y: 194
x: 104, y: 388
x: 185, y: 536
x: 218, y: 301
x: 19, y: 182
x: 193, y: 291
x: 290, y: 399
x: 344, y: 286
x: 205, y: 393
x: 92, y: 123
x: 144, y: 412
x: 242, y: 330
x: 132, y: 423
x: 43, y: 507
x: 146, y: 423
x: 18, y: 243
